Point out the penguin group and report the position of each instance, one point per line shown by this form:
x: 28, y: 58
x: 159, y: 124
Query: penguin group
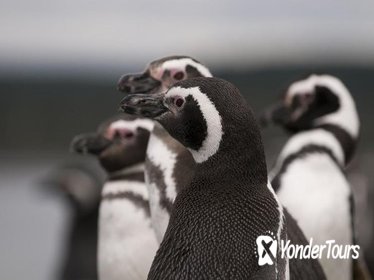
x: 188, y: 195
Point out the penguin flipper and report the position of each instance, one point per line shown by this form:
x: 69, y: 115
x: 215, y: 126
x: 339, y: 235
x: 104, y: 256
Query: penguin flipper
x: 307, y: 269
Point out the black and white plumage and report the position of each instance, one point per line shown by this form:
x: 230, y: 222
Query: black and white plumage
x: 127, y: 242
x: 308, y: 175
x: 217, y: 216
x: 168, y: 164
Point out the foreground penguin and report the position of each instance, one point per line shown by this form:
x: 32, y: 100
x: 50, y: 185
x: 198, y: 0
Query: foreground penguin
x: 219, y: 215
x: 127, y: 243
x: 168, y: 163
x: 308, y: 176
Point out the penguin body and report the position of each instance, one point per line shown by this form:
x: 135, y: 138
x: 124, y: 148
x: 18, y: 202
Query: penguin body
x: 315, y: 180
x: 127, y: 242
x: 169, y: 165
x: 308, y: 175
x: 81, y: 184
x: 218, y: 216
x: 301, y: 268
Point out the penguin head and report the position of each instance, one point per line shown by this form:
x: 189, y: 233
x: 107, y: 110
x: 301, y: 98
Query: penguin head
x: 315, y: 101
x: 201, y: 114
x: 118, y: 143
x: 79, y: 182
x: 161, y: 74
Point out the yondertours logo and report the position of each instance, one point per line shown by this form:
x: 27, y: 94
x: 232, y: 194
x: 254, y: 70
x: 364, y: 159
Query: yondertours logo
x: 329, y: 250
x: 267, y: 248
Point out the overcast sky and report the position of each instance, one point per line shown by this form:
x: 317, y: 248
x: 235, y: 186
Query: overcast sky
x: 84, y: 34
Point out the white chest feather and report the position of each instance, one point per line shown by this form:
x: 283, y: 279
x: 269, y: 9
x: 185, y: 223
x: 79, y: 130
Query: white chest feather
x: 127, y: 243
x: 316, y: 193
x: 160, y: 217
x: 164, y: 159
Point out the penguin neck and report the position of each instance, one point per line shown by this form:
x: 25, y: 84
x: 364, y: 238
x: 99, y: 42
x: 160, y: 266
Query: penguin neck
x: 345, y: 117
x: 128, y: 185
x: 314, y: 140
x: 239, y: 158
x: 344, y: 124
x: 130, y: 173
x: 347, y: 141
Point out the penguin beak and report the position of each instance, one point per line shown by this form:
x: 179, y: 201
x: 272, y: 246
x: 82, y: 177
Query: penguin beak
x: 138, y: 83
x: 276, y: 114
x: 145, y: 105
x: 89, y: 144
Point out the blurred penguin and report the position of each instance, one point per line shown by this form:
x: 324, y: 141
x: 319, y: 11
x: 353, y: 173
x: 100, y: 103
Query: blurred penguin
x: 80, y: 182
x: 308, y: 175
x: 127, y: 241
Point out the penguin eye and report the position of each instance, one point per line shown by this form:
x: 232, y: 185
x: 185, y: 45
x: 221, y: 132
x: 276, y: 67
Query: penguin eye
x: 178, y: 76
x: 178, y: 102
x: 118, y: 134
x: 128, y: 135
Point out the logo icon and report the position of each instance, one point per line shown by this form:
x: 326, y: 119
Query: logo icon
x: 266, y: 249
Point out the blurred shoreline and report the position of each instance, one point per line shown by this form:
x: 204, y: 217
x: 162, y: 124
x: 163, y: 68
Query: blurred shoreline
x: 45, y: 112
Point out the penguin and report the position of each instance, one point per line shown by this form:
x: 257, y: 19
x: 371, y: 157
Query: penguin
x: 168, y: 163
x: 308, y: 175
x: 127, y: 241
x: 162, y: 73
x: 80, y: 183
x: 219, y: 215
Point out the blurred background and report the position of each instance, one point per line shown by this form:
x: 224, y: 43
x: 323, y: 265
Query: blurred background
x: 59, y: 65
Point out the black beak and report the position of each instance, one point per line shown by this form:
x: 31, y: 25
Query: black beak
x: 138, y: 83
x: 89, y: 144
x: 145, y: 105
x: 276, y: 114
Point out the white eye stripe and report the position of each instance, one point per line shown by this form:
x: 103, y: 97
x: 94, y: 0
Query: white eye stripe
x: 132, y: 125
x: 212, y: 118
x: 182, y: 63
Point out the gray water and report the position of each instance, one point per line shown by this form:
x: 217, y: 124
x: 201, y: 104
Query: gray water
x: 33, y: 223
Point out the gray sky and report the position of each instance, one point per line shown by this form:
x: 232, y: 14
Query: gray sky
x: 83, y: 34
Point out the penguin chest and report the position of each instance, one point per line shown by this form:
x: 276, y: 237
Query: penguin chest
x: 316, y: 193
x: 127, y: 243
x: 160, y: 181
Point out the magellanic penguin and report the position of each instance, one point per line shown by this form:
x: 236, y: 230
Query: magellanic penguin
x: 80, y: 183
x: 127, y: 242
x: 308, y: 175
x: 218, y: 216
x: 168, y: 163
